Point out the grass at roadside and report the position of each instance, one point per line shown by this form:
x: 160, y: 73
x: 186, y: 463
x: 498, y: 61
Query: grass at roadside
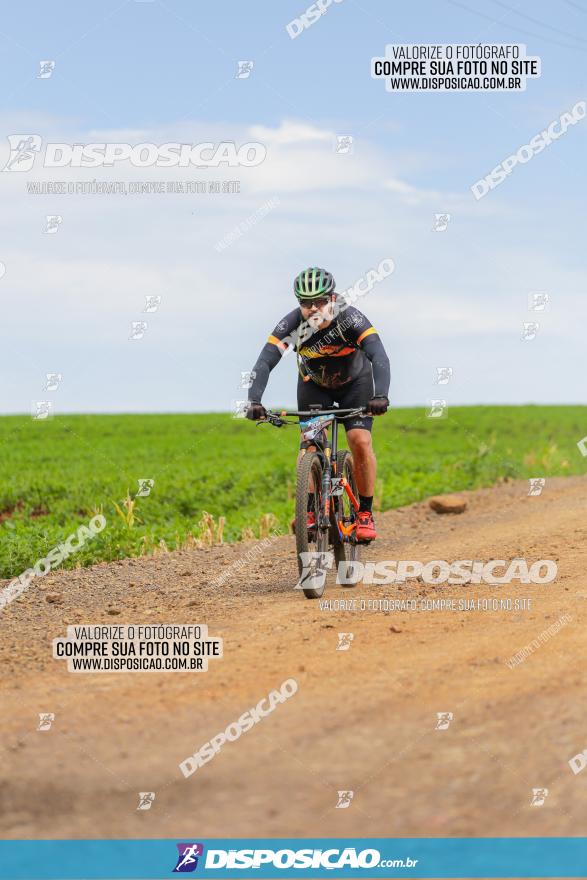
x: 56, y: 474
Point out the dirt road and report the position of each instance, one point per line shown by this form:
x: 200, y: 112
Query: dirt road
x: 363, y: 720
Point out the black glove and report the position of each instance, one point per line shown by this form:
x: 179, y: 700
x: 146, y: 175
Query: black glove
x: 377, y: 406
x: 255, y: 411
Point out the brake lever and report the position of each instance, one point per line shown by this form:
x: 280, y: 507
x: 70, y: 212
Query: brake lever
x: 275, y: 420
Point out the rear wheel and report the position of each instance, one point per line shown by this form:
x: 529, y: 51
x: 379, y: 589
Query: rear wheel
x: 348, y: 551
x: 311, y: 545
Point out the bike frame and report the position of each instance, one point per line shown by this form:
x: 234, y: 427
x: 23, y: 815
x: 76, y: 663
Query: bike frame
x: 327, y: 450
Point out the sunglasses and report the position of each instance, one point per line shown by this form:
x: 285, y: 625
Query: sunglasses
x: 308, y: 303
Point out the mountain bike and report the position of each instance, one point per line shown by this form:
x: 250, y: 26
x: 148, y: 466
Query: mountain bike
x: 326, y: 486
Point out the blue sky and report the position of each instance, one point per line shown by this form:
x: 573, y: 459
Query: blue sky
x: 165, y: 71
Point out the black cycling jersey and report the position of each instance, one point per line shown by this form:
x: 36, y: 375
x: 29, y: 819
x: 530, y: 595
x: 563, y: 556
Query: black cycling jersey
x: 331, y: 357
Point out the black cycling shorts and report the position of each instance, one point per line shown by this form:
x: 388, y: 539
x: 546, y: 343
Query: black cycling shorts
x: 357, y: 393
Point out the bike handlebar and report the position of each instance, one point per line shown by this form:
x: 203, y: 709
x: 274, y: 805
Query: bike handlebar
x: 316, y: 412
x: 278, y: 419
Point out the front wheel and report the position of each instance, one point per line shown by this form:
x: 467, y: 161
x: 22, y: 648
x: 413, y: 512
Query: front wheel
x: 346, y: 549
x: 311, y: 545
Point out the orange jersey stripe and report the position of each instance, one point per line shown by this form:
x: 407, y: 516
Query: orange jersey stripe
x: 275, y: 341
x: 366, y: 333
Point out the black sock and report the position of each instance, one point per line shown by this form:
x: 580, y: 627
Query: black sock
x: 310, y: 501
x: 365, y: 502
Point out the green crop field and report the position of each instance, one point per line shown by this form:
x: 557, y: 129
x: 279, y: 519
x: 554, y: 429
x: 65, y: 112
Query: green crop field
x: 56, y: 474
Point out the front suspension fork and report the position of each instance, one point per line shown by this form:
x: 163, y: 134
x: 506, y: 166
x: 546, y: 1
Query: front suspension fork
x: 326, y: 490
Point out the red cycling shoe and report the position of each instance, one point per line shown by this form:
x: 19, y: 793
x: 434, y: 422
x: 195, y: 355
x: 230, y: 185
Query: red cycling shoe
x: 310, y: 522
x: 365, y: 526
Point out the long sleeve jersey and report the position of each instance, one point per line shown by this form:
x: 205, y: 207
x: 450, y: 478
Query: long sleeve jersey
x: 331, y: 357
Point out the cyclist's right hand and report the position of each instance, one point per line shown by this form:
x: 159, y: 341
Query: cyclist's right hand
x: 255, y: 411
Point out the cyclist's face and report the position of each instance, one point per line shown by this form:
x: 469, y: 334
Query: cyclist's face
x: 316, y: 310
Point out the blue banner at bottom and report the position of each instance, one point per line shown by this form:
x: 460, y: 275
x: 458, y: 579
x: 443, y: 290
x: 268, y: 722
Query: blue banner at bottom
x: 284, y: 857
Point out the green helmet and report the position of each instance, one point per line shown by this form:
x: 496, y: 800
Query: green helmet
x: 313, y: 283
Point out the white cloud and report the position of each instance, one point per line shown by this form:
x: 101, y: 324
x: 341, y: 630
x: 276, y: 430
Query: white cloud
x: 291, y: 132
x: 68, y: 298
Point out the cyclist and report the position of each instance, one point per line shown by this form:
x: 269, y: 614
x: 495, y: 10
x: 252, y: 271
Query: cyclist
x: 341, y: 359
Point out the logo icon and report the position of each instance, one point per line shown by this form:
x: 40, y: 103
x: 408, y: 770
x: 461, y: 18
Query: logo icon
x: 537, y: 484
x: 529, y: 330
x: 344, y: 144
x: 53, y: 381
x: 444, y: 719
x: 239, y: 408
x: 344, y: 641
x: 137, y: 329
x: 145, y: 486
x: 47, y: 68
x: 314, y: 566
x: 23, y: 149
x: 247, y: 378
x: 53, y: 223
x: 538, y: 301
x: 152, y: 303
x: 187, y: 859
x: 42, y: 409
x: 244, y: 69
x: 344, y: 799
x: 539, y: 795
x: 45, y: 720
x: 441, y: 222
x: 146, y: 799
x: 438, y: 409
x: 443, y: 375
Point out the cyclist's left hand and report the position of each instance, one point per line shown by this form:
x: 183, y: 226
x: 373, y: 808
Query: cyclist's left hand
x: 377, y: 406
